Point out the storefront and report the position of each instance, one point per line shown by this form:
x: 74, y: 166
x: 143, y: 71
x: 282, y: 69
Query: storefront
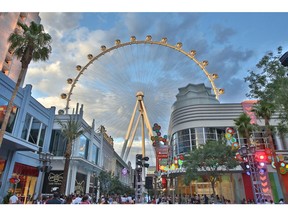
x: 23, y: 182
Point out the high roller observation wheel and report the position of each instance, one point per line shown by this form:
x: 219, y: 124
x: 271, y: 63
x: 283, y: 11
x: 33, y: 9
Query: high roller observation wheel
x: 148, y: 40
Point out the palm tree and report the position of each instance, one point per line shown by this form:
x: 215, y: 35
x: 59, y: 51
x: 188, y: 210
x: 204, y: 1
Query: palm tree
x: 265, y: 110
x: 32, y: 44
x: 244, y: 127
x: 71, y: 131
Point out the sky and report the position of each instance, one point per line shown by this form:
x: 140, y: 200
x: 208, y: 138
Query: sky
x: 231, y: 35
x: 232, y: 42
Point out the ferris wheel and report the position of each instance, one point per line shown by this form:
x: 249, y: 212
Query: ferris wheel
x: 129, y: 67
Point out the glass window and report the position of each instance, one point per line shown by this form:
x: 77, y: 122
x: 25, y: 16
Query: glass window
x: 12, y: 117
x: 42, y: 137
x: 97, y: 156
x: 221, y: 133
x: 199, y: 136
x: 58, y: 143
x: 95, y: 152
x: 210, y: 134
x: 34, y: 131
x: 83, y: 147
x: 26, y: 127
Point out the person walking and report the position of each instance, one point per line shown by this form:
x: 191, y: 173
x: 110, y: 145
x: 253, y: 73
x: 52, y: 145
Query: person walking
x: 85, y: 199
x: 55, y: 199
x: 13, y: 199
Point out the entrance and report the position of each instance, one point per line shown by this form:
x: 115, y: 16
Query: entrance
x: 25, y: 188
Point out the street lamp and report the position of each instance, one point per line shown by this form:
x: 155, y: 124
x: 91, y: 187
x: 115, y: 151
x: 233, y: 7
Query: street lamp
x: 45, y: 160
x: 45, y: 165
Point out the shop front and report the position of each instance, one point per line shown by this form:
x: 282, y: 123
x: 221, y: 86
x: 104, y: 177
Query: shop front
x: 23, y: 182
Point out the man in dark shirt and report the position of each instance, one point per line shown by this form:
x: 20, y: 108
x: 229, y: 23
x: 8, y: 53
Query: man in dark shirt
x: 55, y: 199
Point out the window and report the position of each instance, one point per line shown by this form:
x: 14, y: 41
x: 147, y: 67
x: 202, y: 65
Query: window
x: 83, y: 147
x: 12, y: 117
x: 199, y: 136
x: 95, y: 154
x: 210, y: 134
x: 33, y: 131
x: 58, y: 143
x: 221, y: 133
x: 26, y: 126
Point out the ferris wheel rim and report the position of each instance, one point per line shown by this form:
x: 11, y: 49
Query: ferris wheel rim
x: 133, y: 41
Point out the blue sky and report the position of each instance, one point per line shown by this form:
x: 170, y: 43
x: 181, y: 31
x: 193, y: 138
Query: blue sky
x: 232, y: 42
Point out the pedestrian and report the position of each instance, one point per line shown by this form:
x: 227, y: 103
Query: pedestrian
x: 13, y: 199
x: 206, y: 199
x: 55, y: 199
x: 85, y: 200
x: 43, y: 199
x: 243, y: 201
x: 69, y: 199
x: 281, y: 201
x: 77, y: 200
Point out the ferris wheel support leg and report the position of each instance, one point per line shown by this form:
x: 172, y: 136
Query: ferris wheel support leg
x: 132, y: 139
x: 147, y: 122
x: 129, y: 130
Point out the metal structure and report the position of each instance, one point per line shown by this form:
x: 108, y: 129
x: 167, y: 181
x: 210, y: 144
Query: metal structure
x: 144, y: 120
x: 256, y: 178
x: 140, y: 175
x: 133, y: 41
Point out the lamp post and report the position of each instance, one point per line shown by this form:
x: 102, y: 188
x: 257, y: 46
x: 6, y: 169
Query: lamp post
x: 45, y: 165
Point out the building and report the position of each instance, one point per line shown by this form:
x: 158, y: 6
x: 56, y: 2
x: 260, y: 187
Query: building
x: 27, y: 134
x: 92, y: 153
x: 197, y: 117
x: 10, y: 65
x: 33, y: 130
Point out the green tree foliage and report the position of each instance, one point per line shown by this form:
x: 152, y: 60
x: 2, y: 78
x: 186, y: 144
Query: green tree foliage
x: 110, y: 184
x: 71, y: 130
x: 244, y: 126
x: 270, y: 83
x: 212, y: 159
x: 269, y: 87
x: 32, y: 44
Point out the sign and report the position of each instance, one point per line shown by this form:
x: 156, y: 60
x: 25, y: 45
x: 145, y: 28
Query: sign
x: 80, y: 183
x: 52, y: 181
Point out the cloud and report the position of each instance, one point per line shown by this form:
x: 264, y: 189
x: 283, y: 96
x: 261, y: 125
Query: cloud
x: 108, y: 87
x: 222, y: 34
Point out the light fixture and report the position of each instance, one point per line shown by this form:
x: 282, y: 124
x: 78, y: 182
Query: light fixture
x: 132, y: 38
x: 117, y: 42
x: 179, y: 45
x: 103, y: 48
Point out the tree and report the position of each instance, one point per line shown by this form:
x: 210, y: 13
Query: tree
x: 110, y: 184
x: 33, y: 44
x: 244, y: 127
x: 264, y: 109
x: 270, y: 86
x: 105, y: 179
x: 270, y: 83
x: 212, y: 159
x: 71, y: 130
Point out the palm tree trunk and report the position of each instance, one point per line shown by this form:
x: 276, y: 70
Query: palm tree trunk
x: 213, y: 187
x: 277, y: 165
x: 247, y: 136
x: 10, y: 105
x: 65, y: 176
x: 66, y: 167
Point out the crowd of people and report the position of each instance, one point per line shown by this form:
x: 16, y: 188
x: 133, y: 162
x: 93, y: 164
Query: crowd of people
x: 56, y: 198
